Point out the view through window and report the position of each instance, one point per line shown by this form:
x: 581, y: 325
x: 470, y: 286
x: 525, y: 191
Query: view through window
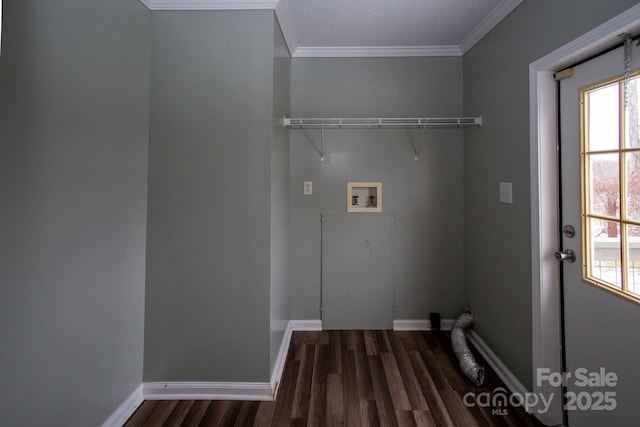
x: 610, y: 151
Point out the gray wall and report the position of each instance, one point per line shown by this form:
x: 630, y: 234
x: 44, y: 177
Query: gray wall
x: 279, y: 192
x: 208, y: 247
x: 498, y: 236
x: 74, y: 82
x: 425, y: 197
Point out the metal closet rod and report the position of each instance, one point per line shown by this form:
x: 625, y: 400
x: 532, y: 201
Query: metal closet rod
x: 399, y: 122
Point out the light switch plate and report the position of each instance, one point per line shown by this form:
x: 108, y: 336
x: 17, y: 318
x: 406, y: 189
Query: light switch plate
x: 308, y: 188
x: 506, y: 193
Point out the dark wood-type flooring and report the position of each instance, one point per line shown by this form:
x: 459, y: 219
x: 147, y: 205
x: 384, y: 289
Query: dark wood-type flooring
x: 353, y: 378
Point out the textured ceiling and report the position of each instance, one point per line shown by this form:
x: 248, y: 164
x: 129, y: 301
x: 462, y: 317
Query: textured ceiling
x: 371, y: 27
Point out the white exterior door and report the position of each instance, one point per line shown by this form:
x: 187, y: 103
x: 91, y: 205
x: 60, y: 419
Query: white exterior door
x: 601, y: 344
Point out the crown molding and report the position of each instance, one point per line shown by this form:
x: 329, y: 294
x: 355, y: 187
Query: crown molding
x: 498, y: 13
x: 375, y: 51
x: 210, y: 4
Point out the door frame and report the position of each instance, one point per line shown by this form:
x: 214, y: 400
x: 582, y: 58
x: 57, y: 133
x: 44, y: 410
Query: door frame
x: 545, y: 229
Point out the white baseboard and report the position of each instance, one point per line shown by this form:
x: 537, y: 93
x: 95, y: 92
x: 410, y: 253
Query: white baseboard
x: 197, y: 390
x: 126, y: 409
x: 278, y: 368
x: 496, y: 364
x: 306, y: 325
x: 420, y: 324
x: 259, y: 391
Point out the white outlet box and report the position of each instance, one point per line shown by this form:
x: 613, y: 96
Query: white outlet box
x: 308, y: 188
x: 506, y: 193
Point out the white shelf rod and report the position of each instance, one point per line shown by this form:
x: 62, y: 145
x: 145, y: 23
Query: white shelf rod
x: 451, y: 122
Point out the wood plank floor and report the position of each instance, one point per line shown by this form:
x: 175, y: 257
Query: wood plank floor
x: 353, y: 378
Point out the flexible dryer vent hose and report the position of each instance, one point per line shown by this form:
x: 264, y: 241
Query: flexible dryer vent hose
x: 468, y: 363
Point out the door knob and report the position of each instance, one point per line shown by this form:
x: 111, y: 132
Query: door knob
x: 566, y: 255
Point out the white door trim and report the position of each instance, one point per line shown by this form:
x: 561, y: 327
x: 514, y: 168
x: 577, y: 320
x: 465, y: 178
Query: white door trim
x: 544, y: 195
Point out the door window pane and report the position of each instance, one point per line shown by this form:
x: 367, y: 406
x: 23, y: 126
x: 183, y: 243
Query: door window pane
x: 604, y: 121
x: 605, y: 185
x: 632, y: 166
x: 633, y: 257
x: 606, y: 264
x: 632, y: 128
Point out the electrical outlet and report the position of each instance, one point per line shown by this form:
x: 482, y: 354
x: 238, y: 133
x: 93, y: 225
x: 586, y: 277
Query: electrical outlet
x: 308, y: 188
